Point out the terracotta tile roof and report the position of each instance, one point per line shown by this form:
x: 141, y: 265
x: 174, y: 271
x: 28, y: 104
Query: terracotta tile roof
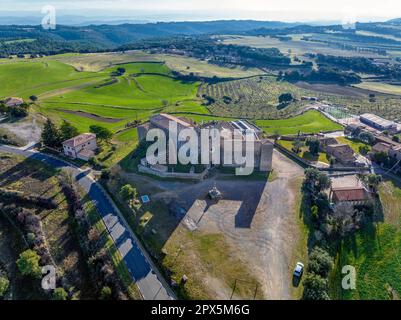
x: 381, y: 147
x: 347, y: 194
x: 13, y: 101
x: 78, y: 140
x: 162, y: 120
x: 86, y: 153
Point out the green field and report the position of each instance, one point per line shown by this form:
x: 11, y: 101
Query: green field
x: 310, y: 122
x: 24, y: 79
x: 375, y: 252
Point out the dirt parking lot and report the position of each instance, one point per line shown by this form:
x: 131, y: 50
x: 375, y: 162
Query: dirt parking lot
x: 258, y: 219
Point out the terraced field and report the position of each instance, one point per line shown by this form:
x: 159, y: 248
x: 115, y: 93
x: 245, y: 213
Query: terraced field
x: 256, y: 97
x: 144, y: 89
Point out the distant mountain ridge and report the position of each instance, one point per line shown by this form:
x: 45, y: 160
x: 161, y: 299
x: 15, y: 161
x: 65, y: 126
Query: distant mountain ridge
x: 114, y: 35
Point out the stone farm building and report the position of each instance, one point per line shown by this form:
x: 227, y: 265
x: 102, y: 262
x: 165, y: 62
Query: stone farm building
x: 13, y: 102
x: 81, y: 147
x: 350, y: 190
x: 263, y: 149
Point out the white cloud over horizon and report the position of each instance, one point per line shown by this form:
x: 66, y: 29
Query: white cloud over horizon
x: 285, y: 10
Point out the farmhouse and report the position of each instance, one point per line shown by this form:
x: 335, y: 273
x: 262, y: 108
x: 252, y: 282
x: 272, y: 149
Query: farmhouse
x: 343, y: 153
x: 395, y: 152
x: 13, y: 102
x: 81, y: 147
x: 381, y: 147
x: 349, y: 190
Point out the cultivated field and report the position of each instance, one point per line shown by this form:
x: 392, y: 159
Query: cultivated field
x: 256, y: 97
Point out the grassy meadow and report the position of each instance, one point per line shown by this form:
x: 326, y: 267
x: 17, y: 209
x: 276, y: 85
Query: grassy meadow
x: 309, y: 122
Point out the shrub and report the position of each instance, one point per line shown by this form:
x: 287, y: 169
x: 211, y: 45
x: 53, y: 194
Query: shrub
x: 315, y: 288
x: 4, y: 283
x: 105, y: 293
x: 320, y: 262
x: 60, y: 294
x: 28, y: 264
x: 127, y: 192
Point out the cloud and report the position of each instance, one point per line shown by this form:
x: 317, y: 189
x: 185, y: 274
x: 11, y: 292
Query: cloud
x: 312, y: 9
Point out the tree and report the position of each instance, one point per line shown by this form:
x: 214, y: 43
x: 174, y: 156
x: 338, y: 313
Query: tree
x: 28, y: 264
x: 314, y: 146
x: 315, y: 288
x: 105, y: 293
x: 121, y: 71
x: 396, y: 138
x: 60, y: 294
x: 315, y: 212
x: 320, y: 262
x: 3, y: 107
x: 102, y: 133
x: 374, y: 181
x: 316, y: 181
x: 297, y: 145
x: 18, y: 112
x: 33, y: 98
x: 367, y: 137
x: 4, y: 283
x: 67, y: 131
x: 364, y: 150
x: 105, y: 174
x: 127, y: 192
x: 381, y: 158
x: 51, y: 135
x: 285, y: 98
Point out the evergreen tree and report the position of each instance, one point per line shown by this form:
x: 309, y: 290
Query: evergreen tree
x: 67, y: 131
x: 51, y: 135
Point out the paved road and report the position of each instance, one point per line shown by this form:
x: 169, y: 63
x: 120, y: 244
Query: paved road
x: 149, y: 281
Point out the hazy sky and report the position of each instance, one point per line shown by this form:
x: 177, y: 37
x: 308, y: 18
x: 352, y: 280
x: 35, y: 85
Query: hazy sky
x: 285, y: 10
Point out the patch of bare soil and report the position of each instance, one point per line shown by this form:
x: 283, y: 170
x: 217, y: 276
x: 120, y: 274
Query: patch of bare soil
x: 27, y: 130
x: 92, y: 116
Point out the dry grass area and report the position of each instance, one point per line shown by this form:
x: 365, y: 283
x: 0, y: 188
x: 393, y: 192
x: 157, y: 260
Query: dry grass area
x: 33, y: 178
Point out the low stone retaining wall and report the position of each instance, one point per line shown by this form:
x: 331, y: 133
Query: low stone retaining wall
x: 173, y: 175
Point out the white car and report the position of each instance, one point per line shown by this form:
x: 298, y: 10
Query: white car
x: 299, y: 270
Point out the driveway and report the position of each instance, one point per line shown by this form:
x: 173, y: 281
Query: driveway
x: 149, y: 281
